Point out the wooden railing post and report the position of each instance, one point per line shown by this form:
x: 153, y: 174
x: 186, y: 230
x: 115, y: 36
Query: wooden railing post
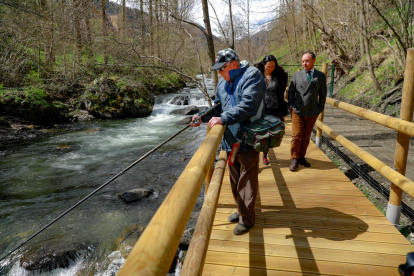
x: 155, y: 250
x: 196, y: 254
x: 403, y: 140
x: 210, y: 169
x: 318, y: 139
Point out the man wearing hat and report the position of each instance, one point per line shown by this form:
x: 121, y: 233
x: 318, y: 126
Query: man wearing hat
x: 241, y: 93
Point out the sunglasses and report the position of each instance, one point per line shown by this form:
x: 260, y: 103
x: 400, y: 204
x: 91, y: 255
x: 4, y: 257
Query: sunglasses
x: 224, y: 67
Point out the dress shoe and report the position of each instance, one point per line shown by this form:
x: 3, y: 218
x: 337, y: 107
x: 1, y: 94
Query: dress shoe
x: 233, y: 217
x: 302, y: 161
x: 241, y: 229
x: 294, y: 165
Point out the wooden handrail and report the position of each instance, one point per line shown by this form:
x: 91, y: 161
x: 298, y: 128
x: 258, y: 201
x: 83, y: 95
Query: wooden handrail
x: 388, y: 121
x: 154, y: 251
x: 196, y: 254
x: 400, y: 180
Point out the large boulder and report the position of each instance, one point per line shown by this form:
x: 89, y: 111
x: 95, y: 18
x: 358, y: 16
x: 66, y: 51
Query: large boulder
x: 190, y: 110
x: 51, y: 256
x: 105, y: 99
x: 34, y: 105
x: 184, y: 100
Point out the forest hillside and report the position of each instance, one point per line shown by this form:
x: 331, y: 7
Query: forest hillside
x: 51, y: 51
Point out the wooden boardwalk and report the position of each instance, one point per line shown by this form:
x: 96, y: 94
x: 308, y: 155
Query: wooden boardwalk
x: 310, y: 222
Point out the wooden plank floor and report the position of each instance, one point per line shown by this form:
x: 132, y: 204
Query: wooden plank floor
x: 310, y: 222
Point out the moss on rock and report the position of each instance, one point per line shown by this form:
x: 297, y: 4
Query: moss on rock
x: 106, y: 98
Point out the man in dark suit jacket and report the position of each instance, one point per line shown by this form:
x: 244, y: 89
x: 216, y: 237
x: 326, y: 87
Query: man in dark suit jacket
x: 306, y: 100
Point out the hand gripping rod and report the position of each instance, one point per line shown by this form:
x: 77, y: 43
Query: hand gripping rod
x: 106, y: 183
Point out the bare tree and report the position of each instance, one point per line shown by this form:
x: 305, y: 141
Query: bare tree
x: 367, y: 46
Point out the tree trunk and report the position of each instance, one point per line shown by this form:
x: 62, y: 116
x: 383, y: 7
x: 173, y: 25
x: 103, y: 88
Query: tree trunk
x: 248, y: 31
x: 88, y: 32
x: 124, y: 27
x: 151, y: 28
x: 290, y: 48
x: 141, y: 7
x: 157, y: 30
x: 104, y: 31
x: 78, y: 37
x: 231, y: 26
x: 367, y: 48
x: 210, y: 43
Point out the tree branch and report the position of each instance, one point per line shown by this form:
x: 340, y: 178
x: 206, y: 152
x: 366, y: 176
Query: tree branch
x: 191, y: 23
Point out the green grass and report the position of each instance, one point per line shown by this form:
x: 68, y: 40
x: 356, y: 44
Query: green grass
x: 372, y: 198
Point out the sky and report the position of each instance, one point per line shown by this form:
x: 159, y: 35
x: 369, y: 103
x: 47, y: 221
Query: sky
x: 261, y: 12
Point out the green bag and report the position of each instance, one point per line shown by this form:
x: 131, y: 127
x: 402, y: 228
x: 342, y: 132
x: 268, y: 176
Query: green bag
x: 265, y: 133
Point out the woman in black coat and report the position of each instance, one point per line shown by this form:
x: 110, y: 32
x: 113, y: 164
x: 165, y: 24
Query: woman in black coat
x: 276, y: 79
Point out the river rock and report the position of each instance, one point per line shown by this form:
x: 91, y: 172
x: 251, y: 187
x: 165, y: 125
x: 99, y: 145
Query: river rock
x: 52, y: 256
x: 186, y: 238
x: 186, y: 120
x: 4, y: 123
x: 127, y: 240
x: 82, y: 115
x: 183, y: 100
x: 24, y: 133
x: 190, y: 110
x: 103, y: 99
x: 136, y: 194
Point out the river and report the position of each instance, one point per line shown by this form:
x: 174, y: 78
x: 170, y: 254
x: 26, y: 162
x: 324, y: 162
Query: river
x: 39, y: 180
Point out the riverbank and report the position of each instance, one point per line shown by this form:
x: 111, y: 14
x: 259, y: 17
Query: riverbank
x: 40, y: 179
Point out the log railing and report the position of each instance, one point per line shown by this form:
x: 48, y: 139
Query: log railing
x: 405, y: 128
x: 395, y: 177
x: 155, y: 250
x: 196, y: 254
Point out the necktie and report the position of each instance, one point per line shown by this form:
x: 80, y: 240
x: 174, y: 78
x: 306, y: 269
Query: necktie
x: 309, y: 75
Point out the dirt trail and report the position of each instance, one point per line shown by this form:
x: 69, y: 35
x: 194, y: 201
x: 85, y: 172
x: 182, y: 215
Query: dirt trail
x: 377, y: 140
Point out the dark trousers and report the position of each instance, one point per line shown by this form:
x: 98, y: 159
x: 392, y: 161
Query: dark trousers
x: 244, y: 179
x: 301, y: 133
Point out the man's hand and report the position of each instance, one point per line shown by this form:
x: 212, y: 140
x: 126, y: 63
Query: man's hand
x: 215, y: 121
x: 195, y: 121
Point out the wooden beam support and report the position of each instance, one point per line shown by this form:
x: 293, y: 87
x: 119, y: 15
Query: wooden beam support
x: 154, y: 251
x: 210, y: 169
x: 196, y: 254
x: 403, y: 140
x: 318, y: 140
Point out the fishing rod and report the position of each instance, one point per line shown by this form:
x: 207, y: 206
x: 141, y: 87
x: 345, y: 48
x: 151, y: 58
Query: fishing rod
x: 110, y: 180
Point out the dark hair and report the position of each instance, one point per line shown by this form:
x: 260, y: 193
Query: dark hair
x: 311, y: 53
x: 266, y: 59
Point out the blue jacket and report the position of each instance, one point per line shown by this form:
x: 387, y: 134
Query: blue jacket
x: 248, y: 87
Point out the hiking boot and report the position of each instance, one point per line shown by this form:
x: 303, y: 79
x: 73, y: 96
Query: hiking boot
x: 265, y: 161
x: 241, y: 229
x: 294, y: 165
x: 233, y: 217
x: 302, y: 161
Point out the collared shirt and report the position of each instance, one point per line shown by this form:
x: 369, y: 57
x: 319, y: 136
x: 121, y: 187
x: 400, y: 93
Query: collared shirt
x: 311, y: 71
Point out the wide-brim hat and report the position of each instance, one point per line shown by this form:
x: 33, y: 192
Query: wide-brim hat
x: 224, y: 56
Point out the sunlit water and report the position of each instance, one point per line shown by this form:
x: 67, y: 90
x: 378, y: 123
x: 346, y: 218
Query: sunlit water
x: 40, y: 180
